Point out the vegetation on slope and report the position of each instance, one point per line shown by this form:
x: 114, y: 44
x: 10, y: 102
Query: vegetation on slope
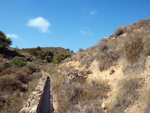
x: 20, y: 72
x: 129, y: 44
x: 73, y: 93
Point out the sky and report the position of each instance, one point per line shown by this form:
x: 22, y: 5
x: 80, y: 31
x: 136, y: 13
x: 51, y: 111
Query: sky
x: 69, y: 24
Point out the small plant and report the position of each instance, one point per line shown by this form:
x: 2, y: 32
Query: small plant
x: 19, y: 61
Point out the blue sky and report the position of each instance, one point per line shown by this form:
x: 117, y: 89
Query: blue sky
x: 70, y: 24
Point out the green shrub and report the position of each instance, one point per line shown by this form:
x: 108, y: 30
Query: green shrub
x: 19, y: 61
x: 59, y: 57
x: 45, y: 55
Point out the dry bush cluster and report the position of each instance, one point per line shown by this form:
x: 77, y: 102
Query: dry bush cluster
x: 133, y: 48
x: 126, y: 94
x: 107, y: 54
x: 15, y: 87
x: 128, y: 42
x: 74, y: 94
x: 85, y: 57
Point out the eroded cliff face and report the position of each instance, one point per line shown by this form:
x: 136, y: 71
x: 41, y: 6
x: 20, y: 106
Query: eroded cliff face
x: 112, y: 76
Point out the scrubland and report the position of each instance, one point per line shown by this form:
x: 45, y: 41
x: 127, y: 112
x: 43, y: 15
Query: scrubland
x: 112, y: 76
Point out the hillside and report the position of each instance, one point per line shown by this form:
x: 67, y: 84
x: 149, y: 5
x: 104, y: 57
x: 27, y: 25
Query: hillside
x: 110, y: 77
x: 20, y: 72
x: 55, y: 50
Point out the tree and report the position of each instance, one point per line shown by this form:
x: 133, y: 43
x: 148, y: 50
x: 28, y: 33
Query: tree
x: 4, y: 41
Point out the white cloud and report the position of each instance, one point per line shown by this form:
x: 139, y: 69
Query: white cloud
x: 40, y: 23
x: 93, y: 12
x: 86, y: 32
x: 13, y: 36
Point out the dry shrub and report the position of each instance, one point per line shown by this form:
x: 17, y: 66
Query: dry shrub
x: 147, y: 108
x: 86, y: 57
x: 107, y: 55
x: 4, y: 66
x: 70, y: 95
x: 13, y: 101
x: 103, y: 45
x: 119, y: 31
x: 126, y: 94
x: 147, y: 45
x: 136, y: 68
x: 86, y: 60
x: 15, y: 89
x: 8, y: 71
x: 133, y: 48
x: 74, y: 94
x: 35, y: 75
x: 33, y: 67
x: 23, y: 74
x: 108, y: 59
x: 6, y: 81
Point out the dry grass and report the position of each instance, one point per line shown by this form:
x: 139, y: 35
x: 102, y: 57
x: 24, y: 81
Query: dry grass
x: 125, y: 95
x: 74, y: 94
x: 133, y: 48
x: 107, y: 54
x: 85, y: 95
x: 7, y: 71
x: 16, y: 87
x: 13, y: 101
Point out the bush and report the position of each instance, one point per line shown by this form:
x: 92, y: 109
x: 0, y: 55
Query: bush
x: 119, y: 31
x: 83, y: 94
x: 35, y: 75
x: 19, y: 61
x: 33, y: 67
x: 45, y: 55
x: 107, y: 54
x: 6, y: 81
x: 7, y: 71
x: 4, y: 66
x: 133, y: 47
x: 108, y: 59
x: 126, y: 94
x: 59, y: 57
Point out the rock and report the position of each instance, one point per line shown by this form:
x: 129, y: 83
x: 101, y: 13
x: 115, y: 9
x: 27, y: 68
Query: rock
x: 112, y: 71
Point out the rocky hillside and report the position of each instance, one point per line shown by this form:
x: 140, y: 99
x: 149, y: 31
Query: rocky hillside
x: 20, y: 72
x: 110, y: 77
